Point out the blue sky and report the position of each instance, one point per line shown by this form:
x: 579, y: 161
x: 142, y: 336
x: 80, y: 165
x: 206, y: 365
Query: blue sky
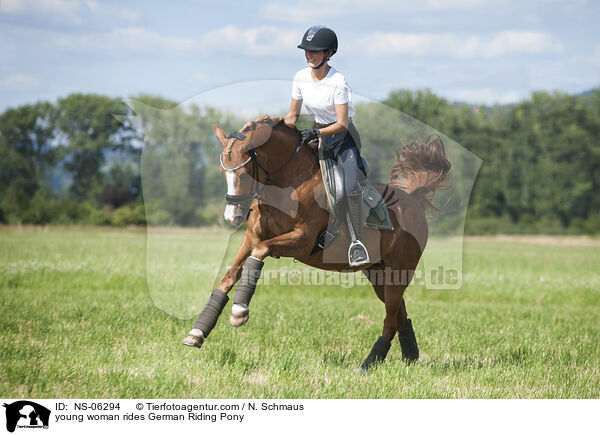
x: 464, y: 50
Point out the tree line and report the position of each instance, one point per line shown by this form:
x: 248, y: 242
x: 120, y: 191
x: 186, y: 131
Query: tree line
x: 81, y: 160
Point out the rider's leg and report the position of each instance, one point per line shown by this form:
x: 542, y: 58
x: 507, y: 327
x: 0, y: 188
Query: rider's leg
x: 340, y: 193
x: 357, y: 252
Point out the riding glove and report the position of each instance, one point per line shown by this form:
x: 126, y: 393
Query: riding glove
x: 309, y: 134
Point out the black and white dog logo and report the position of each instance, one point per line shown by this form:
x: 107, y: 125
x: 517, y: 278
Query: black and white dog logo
x: 26, y: 414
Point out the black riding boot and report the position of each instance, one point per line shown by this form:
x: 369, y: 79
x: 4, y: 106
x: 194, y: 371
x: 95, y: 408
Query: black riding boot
x: 357, y: 252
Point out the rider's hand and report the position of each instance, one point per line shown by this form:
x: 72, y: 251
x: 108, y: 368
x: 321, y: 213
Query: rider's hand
x: 310, y: 134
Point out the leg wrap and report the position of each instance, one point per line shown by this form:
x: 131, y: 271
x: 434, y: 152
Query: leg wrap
x: 378, y: 353
x: 408, y: 342
x: 247, y: 285
x: 208, y: 317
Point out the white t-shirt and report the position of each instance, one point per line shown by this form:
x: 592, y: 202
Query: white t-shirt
x: 320, y: 97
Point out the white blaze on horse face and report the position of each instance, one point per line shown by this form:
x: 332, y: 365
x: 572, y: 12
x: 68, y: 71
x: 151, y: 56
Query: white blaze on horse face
x: 231, y: 211
x: 230, y: 183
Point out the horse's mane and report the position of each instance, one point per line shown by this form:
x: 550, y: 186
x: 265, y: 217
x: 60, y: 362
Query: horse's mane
x: 258, y: 131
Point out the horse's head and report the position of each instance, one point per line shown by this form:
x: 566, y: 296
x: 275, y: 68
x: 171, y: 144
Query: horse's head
x: 241, y: 166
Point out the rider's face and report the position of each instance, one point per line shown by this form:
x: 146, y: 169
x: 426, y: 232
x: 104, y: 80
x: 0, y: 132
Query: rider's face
x: 314, y: 58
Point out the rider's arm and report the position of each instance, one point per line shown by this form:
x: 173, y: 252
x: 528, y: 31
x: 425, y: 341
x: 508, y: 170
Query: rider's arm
x: 293, y: 113
x: 341, y: 125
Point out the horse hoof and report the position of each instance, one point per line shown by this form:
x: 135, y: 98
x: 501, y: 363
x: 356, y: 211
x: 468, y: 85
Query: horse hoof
x: 239, y: 315
x: 360, y: 371
x: 194, y: 339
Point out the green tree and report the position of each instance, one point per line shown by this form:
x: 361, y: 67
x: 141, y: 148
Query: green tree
x: 88, y: 129
x: 28, y: 149
x: 180, y: 171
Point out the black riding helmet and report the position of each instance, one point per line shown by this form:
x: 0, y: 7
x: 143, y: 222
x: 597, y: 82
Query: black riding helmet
x: 319, y: 38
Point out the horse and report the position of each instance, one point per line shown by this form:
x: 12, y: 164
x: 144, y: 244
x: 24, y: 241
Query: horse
x: 266, y: 154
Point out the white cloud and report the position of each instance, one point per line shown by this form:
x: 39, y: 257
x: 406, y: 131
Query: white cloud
x: 92, y: 5
x: 265, y: 40
x: 318, y: 11
x: 18, y: 6
x: 462, y: 4
x: 200, y: 77
x: 452, y: 45
x: 19, y: 82
x: 315, y: 11
x: 484, y: 96
x: 66, y: 11
x: 260, y: 41
x: 515, y: 41
x: 127, y: 39
x: 140, y: 39
x: 112, y: 12
x: 594, y: 58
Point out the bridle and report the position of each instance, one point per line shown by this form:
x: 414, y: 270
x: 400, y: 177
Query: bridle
x: 256, y: 189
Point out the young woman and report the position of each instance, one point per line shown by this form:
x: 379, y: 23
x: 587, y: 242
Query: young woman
x: 328, y: 99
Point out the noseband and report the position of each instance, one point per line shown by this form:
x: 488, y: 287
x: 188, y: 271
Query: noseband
x: 244, y: 201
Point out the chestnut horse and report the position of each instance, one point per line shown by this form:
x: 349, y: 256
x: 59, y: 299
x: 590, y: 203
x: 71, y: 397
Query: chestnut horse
x: 267, y: 155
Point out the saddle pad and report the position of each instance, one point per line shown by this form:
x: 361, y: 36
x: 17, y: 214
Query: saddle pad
x: 375, y: 213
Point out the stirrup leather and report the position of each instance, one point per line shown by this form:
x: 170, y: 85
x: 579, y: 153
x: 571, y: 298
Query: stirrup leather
x: 357, y: 252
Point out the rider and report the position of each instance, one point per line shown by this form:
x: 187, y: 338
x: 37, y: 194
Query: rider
x: 328, y: 99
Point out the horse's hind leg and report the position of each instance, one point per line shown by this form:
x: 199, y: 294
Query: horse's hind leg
x: 375, y: 274
x: 393, y: 302
x: 406, y: 336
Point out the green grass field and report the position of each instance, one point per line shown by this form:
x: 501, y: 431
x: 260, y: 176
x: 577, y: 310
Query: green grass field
x: 78, y: 319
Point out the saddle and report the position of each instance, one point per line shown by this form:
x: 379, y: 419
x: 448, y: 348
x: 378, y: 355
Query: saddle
x: 375, y: 212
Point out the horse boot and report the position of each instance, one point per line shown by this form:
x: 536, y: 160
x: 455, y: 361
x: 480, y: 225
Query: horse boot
x: 377, y: 355
x: 240, y: 312
x: 207, y: 319
x: 357, y: 252
x: 408, y: 342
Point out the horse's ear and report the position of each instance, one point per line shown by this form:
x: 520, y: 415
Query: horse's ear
x: 219, y: 133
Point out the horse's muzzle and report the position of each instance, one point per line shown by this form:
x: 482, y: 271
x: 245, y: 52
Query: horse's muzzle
x: 236, y: 215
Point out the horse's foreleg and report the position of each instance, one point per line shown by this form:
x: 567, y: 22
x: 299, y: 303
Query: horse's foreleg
x: 207, y: 319
x: 289, y: 244
x: 295, y: 243
x: 250, y: 274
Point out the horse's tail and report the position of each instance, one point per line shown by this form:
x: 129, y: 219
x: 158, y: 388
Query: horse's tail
x: 421, y: 169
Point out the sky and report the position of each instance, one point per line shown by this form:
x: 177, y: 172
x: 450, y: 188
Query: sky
x: 474, y: 51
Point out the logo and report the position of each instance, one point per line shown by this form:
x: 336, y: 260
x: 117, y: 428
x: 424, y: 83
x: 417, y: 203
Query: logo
x: 26, y: 414
x: 312, y: 31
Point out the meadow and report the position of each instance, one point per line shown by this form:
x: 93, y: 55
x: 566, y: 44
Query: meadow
x: 100, y: 313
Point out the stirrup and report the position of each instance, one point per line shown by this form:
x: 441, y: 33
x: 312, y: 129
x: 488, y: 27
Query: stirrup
x: 363, y: 254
